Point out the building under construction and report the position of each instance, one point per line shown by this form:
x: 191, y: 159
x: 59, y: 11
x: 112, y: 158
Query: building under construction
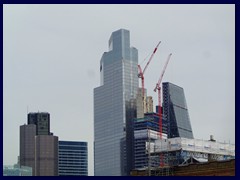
x: 146, y: 131
x: 166, y: 151
x: 163, y: 141
x: 181, y: 151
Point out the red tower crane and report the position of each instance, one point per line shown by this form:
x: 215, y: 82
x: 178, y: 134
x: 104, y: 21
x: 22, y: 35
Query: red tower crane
x: 158, y: 87
x: 141, y: 73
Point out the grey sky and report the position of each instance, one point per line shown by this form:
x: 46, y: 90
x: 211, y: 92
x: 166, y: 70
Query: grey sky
x: 51, y: 56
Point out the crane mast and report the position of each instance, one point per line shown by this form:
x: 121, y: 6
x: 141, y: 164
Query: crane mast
x: 158, y: 87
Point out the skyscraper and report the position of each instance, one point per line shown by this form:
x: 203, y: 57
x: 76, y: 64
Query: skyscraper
x: 176, y: 111
x: 38, y: 147
x: 73, y: 158
x: 46, y: 155
x: 42, y: 122
x: 113, y: 107
x: 27, y: 146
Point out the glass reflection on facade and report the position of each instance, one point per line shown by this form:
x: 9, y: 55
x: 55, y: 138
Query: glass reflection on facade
x: 112, y: 100
x: 176, y: 111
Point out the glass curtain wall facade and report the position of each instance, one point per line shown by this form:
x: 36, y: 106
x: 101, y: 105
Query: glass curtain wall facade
x: 72, y: 158
x: 114, y: 106
x: 176, y: 111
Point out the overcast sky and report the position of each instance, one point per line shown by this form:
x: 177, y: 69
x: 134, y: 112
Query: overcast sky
x: 51, y: 56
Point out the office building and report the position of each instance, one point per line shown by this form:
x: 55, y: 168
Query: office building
x: 38, y: 147
x: 176, y: 111
x: 27, y: 146
x: 42, y: 122
x: 114, y: 106
x: 46, y: 155
x: 72, y: 158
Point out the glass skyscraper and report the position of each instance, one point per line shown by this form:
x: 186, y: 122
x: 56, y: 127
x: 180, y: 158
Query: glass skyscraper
x: 72, y: 158
x: 176, y: 111
x: 114, y: 106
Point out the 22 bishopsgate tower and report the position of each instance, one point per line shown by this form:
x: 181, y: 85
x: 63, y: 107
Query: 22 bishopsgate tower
x: 113, y: 109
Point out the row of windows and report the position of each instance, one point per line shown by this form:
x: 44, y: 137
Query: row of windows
x: 72, y: 148
x: 72, y: 153
x: 72, y: 161
x: 72, y: 168
x: 70, y: 143
x: 72, y: 165
x: 77, y: 157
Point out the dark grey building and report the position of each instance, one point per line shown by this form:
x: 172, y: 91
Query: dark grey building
x: 27, y: 146
x: 72, y: 158
x: 38, y: 147
x: 114, y: 106
x: 42, y: 122
x: 176, y: 111
x: 46, y: 155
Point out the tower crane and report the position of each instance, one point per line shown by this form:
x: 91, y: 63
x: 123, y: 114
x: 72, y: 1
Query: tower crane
x: 158, y: 87
x: 141, y: 73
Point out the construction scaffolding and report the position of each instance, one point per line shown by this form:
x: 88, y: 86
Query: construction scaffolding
x: 181, y: 151
x: 146, y: 131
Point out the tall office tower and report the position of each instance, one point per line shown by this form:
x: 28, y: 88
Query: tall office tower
x: 114, y: 106
x: 27, y: 146
x: 38, y: 147
x: 72, y: 158
x: 176, y: 111
x: 42, y: 121
x: 46, y: 155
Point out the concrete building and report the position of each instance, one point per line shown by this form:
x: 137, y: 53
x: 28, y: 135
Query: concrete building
x: 72, y: 158
x: 149, y: 104
x: 141, y: 103
x: 114, y: 106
